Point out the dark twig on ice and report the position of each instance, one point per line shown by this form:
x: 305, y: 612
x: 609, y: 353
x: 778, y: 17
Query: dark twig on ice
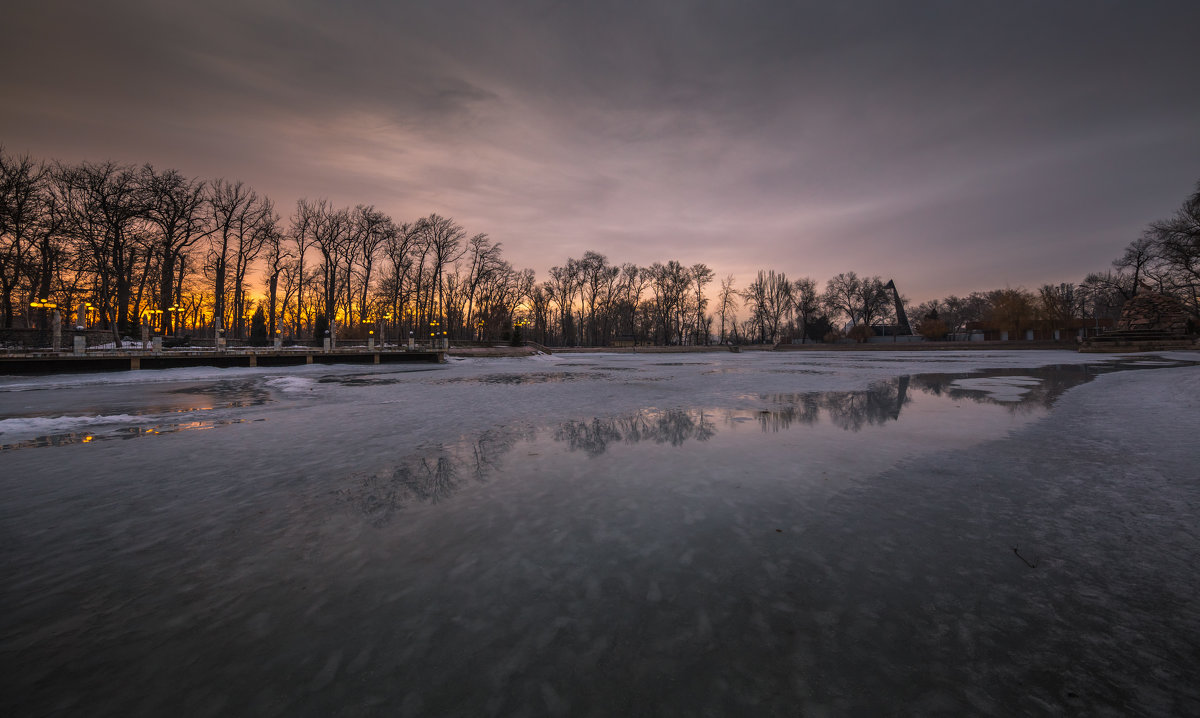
x: 1018, y: 553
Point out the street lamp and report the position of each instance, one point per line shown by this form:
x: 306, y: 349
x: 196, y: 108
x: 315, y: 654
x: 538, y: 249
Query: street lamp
x: 151, y: 313
x: 43, y: 304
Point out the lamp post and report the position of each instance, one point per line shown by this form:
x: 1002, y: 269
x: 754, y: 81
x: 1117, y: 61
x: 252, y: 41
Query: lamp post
x: 433, y: 326
x: 43, y: 304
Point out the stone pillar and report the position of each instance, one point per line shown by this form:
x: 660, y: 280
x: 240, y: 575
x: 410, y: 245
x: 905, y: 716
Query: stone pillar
x: 412, y: 342
x: 370, y: 344
x: 145, y: 335
x: 56, y: 323
x: 278, y: 342
x: 1003, y: 336
x: 157, y: 345
x: 80, y: 344
x: 328, y: 344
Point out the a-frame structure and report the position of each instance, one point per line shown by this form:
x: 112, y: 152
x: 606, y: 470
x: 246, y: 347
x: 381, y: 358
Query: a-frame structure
x: 903, y: 328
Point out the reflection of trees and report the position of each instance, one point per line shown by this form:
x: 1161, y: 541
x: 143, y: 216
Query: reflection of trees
x: 852, y: 410
x: 849, y: 410
x: 789, y: 409
x: 672, y: 427
x: 433, y: 475
x: 437, y: 473
x: 591, y: 437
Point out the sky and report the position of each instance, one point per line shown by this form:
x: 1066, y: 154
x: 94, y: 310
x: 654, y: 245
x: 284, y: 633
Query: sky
x: 953, y: 146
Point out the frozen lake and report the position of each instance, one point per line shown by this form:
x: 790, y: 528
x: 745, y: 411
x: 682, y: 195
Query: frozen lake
x: 758, y: 534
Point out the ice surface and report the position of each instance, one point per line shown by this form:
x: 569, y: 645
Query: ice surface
x: 966, y: 533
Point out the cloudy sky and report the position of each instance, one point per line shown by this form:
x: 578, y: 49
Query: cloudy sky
x: 953, y: 145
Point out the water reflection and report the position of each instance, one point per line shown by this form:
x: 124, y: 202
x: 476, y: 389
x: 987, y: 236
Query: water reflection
x: 673, y: 426
x: 439, y: 472
x: 432, y: 475
x: 229, y: 393
x: 848, y: 410
x: 129, y: 432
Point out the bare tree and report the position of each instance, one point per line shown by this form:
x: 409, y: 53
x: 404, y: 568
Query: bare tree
x: 727, y: 306
x: 444, y: 239
x: 631, y: 284
x: 397, y: 248
x: 330, y: 236
x: 1177, y: 242
x: 484, y: 265
x: 702, y: 276
x: 561, y: 287
x: 1059, y: 303
x: 300, y: 229
x: 770, y: 299
x: 1138, y: 256
x: 277, y: 257
x: 175, y: 208
x: 30, y: 221
x: 863, y: 301
x: 670, y: 283
x: 370, y: 231
x: 806, y: 305
x: 103, y: 208
x: 241, y: 221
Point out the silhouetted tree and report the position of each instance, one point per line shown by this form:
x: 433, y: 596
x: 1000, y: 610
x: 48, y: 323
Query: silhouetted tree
x: 175, y: 208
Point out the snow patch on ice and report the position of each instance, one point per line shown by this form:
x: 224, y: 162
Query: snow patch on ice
x: 999, y: 388
x: 292, y: 383
x: 36, y: 425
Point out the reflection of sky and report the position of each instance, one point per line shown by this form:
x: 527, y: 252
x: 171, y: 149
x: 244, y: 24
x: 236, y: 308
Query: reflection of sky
x: 852, y: 431
x: 860, y: 431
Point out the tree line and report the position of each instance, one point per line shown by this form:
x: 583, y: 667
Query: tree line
x: 138, y: 245
x: 1165, y: 259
